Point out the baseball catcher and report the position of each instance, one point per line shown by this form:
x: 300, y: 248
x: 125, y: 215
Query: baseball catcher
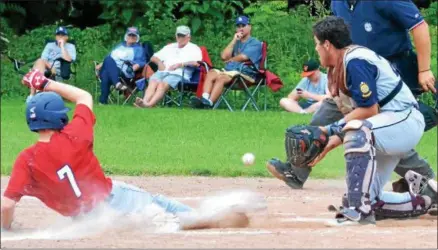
x: 377, y: 108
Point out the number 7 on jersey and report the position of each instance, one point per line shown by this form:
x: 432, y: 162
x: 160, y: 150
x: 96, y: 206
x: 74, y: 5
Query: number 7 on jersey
x: 66, y: 171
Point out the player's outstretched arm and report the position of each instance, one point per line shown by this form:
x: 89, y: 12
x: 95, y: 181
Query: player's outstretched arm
x: 7, y: 212
x: 71, y: 93
x: 37, y: 80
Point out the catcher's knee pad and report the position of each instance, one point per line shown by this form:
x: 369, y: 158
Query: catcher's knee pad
x: 361, y: 163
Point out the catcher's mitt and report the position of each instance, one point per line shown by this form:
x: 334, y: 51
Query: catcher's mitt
x: 303, y: 144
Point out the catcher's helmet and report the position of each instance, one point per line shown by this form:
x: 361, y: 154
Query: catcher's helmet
x: 46, y: 110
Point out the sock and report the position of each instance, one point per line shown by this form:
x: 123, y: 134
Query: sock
x: 206, y: 96
x: 303, y: 111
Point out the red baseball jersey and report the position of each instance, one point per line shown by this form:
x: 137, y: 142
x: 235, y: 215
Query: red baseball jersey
x: 63, y: 173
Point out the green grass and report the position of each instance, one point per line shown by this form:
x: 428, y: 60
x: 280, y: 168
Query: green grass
x: 170, y: 141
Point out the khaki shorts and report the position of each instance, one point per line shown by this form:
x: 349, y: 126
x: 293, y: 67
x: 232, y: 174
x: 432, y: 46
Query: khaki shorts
x: 234, y: 73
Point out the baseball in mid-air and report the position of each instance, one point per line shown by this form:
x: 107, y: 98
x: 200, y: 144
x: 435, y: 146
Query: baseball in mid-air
x: 248, y: 159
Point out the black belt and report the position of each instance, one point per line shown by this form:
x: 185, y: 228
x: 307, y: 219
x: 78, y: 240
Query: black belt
x: 391, y: 95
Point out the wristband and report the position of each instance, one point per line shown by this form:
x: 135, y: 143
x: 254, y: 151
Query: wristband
x: 423, y: 71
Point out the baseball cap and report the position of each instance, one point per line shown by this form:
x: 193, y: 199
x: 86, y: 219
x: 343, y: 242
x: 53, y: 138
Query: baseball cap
x: 183, y: 30
x: 242, y: 20
x: 132, y: 31
x: 309, y: 68
x: 61, y: 30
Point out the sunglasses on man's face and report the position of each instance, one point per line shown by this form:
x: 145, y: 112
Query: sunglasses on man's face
x: 240, y: 26
x: 132, y: 35
x: 180, y: 35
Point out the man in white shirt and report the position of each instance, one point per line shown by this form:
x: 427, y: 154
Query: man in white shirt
x: 171, y: 61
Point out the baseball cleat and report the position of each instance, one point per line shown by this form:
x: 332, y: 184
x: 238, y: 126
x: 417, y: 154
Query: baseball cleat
x: 284, y: 172
x: 431, y: 191
x: 423, y: 186
x: 433, y: 210
x: 349, y: 217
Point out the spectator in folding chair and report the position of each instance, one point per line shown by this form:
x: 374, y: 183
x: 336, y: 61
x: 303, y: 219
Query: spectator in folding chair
x: 312, y: 90
x: 53, y: 55
x: 172, y: 60
x: 125, y: 60
x: 242, y: 57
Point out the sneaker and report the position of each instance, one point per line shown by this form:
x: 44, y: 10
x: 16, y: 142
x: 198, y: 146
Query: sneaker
x: 420, y: 185
x: 351, y: 217
x: 206, y: 102
x: 196, y: 103
x: 284, y: 172
x: 431, y: 191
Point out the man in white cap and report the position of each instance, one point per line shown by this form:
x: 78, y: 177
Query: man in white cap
x: 171, y: 61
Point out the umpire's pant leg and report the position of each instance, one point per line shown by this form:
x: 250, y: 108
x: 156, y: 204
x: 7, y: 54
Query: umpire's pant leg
x: 412, y: 161
x: 327, y: 113
x: 430, y: 116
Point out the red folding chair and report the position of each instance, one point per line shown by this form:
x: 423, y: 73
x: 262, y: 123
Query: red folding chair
x: 194, y: 85
x: 239, y: 83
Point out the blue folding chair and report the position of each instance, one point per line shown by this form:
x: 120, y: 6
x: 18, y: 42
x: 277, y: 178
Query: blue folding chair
x: 185, y: 88
x: 134, y: 85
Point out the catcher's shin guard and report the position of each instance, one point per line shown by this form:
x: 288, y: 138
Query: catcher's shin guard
x: 360, y: 163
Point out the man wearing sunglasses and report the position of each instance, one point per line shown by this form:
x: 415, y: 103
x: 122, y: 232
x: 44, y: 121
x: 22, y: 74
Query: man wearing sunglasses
x: 243, y: 48
x: 171, y: 60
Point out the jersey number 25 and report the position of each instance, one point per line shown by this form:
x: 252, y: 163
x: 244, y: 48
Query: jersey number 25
x: 66, y: 171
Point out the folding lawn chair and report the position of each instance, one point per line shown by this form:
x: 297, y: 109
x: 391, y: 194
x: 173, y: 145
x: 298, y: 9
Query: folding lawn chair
x: 67, y: 68
x: 239, y: 83
x: 135, y: 84
x: 189, y: 88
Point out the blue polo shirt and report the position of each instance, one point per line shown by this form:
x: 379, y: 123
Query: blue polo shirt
x: 252, y: 48
x: 382, y: 26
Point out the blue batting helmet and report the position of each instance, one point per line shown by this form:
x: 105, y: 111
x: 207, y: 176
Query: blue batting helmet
x: 46, y: 110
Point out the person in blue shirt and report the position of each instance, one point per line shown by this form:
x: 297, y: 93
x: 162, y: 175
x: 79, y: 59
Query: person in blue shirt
x: 242, y: 48
x: 384, y: 26
x: 312, y: 90
x: 59, y: 49
x: 124, y: 60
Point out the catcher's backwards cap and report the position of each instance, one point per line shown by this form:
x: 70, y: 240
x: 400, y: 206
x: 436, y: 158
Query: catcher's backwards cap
x: 46, y: 110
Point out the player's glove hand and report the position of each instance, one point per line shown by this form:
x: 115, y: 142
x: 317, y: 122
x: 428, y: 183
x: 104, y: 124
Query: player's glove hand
x: 35, y: 79
x: 303, y: 144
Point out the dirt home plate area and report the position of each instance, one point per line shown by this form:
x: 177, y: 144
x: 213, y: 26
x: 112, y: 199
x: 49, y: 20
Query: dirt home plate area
x: 293, y: 219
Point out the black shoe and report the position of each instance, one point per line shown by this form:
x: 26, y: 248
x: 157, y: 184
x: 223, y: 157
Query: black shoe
x: 351, y: 217
x: 284, y: 172
x: 207, y: 102
x: 196, y: 103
